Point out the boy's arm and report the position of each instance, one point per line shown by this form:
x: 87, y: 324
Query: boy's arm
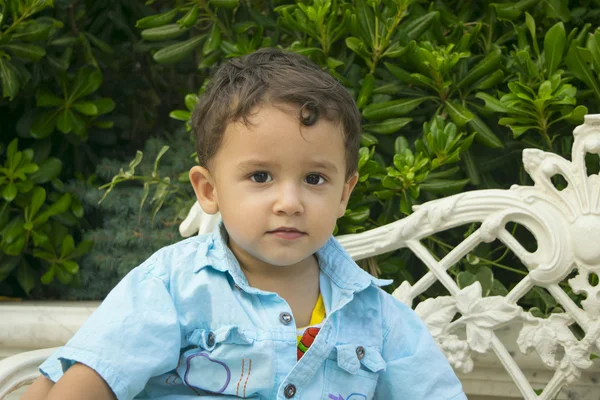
x: 133, y: 336
x: 416, y: 367
x: 79, y: 382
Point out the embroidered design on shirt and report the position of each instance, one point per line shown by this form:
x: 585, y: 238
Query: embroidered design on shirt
x: 173, y: 380
x: 353, y: 396
x: 237, y: 390
x: 217, y: 374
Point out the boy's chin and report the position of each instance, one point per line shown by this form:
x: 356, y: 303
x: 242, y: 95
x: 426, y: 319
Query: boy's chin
x: 284, y: 260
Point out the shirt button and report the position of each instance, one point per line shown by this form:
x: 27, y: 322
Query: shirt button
x: 289, y: 391
x: 210, y: 341
x: 285, y: 318
x: 360, y: 352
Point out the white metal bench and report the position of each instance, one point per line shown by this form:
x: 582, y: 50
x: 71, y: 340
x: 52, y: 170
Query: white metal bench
x: 470, y: 328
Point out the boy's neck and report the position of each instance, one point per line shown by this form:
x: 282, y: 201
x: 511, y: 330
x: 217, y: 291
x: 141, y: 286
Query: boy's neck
x: 295, y: 283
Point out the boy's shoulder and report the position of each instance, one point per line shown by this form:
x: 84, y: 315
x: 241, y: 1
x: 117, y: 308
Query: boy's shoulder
x: 177, y: 258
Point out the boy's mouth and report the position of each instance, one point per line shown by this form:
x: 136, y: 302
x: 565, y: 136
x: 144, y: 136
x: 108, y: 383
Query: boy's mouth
x: 285, y: 232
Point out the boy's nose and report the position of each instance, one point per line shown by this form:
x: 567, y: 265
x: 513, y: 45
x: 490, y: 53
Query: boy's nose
x: 288, y: 200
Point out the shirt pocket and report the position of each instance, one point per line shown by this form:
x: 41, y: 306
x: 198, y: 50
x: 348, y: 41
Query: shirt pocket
x: 225, y: 361
x: 354, y: 374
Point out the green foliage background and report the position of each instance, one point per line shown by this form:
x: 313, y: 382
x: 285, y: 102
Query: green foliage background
x: 451, y: 93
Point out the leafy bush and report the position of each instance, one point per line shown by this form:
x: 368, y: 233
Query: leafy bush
x: 450, y: 91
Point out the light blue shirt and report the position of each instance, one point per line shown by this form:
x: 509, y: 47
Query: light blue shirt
x: 185, y: 323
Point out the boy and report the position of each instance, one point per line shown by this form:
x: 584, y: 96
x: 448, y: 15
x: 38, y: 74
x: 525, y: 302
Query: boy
x: 269, y: 306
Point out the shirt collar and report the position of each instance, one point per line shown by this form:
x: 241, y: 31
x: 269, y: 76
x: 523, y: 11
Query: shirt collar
x: 334, y: 262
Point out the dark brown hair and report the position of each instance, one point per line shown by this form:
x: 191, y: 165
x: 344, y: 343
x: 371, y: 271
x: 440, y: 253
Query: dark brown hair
x: 277, y: 77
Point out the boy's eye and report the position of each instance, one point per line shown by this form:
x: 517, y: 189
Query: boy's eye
x: 314, y: 179
x: 260, y: 177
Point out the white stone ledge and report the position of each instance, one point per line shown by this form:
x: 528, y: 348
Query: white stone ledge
x: 30, y: 326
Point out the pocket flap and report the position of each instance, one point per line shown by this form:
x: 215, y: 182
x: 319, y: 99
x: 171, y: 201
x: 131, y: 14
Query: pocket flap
x: 208, y: 339
x: 347, y: 358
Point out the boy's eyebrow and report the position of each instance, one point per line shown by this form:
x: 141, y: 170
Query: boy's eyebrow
x: 247, y: 164
x: 324, y: 164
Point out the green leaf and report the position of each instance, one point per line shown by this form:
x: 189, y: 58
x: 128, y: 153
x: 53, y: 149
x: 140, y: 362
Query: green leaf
x: 578, y: 67
x: 9, y: 192
x: 459, y: 114
x: 9, y: 78
x: 593, y: 44
x: 166, y: 32
x: 32, y: 32
x: 13, y: 230
x: 157, y: 20
x: 492, y: 103
x: 554, y: 47
x: 367, y: 21
x: 180, y: 115
x: 82, y: 248
x: 191, y: 99
x: 70, y: 266
x: 190, y: 18
x: 228, y: 4
x: 465, y: 278
x: 38, y: 198
x: 67, y: 246
x: 491, y: 81
x: 87, y: 81
x: 25, y: 276
x: 483, y: 67
x: 86, y: 108
x: 7, y: 265
x: 43, y: 98
x: 389, y: 126
x: 530, y: 22
x: 63, y: 276
x: 43, y: 125
x: 64, y: 122
x: 415, y: 28
x: 558, y: 9
x: 517, y: 130
x: 358, y: 215
x: 104, y: 105
x: 366, y: 91
x: 368, y: 140
x: 49, y: 170
x: 443, y: 186
x: 214, y: 40
x: 161, y: 153
x: 512, y: 11
x: 61, y: 205
x: 176, y: 52
x: 358, y: 46
x: 77, y: 208
x: 394, y: 108
x: 26, y: 51
x: 100, y: 44
x: 485, y: 276
x: 48, y: 276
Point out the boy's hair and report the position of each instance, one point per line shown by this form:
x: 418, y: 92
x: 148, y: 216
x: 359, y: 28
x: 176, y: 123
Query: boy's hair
x: 277, y: 77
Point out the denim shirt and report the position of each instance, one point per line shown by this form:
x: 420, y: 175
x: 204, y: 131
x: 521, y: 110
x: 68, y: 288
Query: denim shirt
x: 185, y: 323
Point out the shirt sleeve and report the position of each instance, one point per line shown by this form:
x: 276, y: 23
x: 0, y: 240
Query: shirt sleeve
x: 416, y: 367
x: 132, y: 336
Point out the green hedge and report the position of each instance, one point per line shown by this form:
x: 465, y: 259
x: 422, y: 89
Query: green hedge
x: 451, y: 93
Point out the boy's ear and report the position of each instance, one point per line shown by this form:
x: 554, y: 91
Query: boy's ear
x: 204, y: 187
x: 348, y: 187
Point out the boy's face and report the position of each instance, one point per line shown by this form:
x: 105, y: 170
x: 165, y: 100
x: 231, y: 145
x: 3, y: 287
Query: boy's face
x: 273, y: 174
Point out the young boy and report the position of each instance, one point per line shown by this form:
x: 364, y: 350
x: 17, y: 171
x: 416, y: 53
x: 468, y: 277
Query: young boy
x: 269, y: 306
